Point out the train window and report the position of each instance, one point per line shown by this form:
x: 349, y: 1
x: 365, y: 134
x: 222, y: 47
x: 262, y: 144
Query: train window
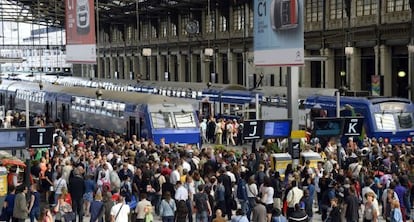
x: 405, y: 120
x: 185, y: 120
x: 162, y: 120
x: 385, y: 121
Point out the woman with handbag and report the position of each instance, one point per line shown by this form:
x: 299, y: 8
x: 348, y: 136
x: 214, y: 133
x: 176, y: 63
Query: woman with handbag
x: 63, y: 210
x: 167, y: 208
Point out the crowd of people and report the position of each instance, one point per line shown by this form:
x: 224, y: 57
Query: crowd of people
x: 114, y: 178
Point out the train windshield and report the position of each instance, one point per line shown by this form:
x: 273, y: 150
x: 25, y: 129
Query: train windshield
x: 185, y: 120
x: 162, y: 120
x: 392, y: 117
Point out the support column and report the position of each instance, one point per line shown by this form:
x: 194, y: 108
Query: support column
x: 329, y: 68
x: 135, y: 66
x: 219, y: 68
x: 355, y: 78
x: 107, y: 65
x: 232, y: 66
x: 386, y: 69
x: 181, y: 67
x: 306, y: 77
x: 112, y: 67
x: 205, y: 67
x: 161, y: 69
x: 152, y: 70
x: 142, y: 64
x: 127, y: 68
x: 193, y: 67
x: 171, y: 67
x: 120, y: 68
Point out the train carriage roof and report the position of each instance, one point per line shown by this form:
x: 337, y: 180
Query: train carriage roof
x: 58, y: 90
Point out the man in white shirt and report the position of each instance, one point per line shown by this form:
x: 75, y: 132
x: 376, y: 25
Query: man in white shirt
x: 181, y: 193
x: 144, y: 206
x: 293, y: 197
x: 120, y: 211
x: 175, y: 176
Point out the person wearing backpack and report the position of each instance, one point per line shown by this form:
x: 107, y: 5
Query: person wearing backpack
x: 242, y: 195
x: 202, y: 205
x: 159, y: 180
x: 126, y: 189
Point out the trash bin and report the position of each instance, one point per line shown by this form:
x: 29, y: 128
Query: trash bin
x: 279, y: 162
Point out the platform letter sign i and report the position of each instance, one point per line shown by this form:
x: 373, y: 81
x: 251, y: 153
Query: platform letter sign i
x: 41, y: 137
x: 40, y: 132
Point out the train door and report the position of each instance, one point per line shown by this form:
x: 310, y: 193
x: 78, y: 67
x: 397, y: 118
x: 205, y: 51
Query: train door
x: 64, y: 113
x: 10, y: 101
x: 132, y: 127
x: 48, y: 110
x: 206, y: 110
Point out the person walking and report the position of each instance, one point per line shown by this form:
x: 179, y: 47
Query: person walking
x: 97, y: 209
x: 77, y: 190
x: 143, y: 208
x: 259, y: 212
x: 34, y: 206
x: 202, y: 205
x: 352, y: 206
x: 167, y: 208
x: 20, y: 210
x: 120, y: 211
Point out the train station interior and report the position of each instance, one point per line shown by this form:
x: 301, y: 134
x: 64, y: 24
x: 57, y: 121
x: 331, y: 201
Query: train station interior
x: 347, y: 45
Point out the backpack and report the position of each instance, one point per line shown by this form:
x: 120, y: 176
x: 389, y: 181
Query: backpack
x: 200, y: 200
x: 182, y: 207
x: 241, y: 190
x: 125, y: 192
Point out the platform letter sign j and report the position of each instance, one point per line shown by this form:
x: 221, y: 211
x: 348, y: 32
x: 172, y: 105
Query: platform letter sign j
x: 254, y: 124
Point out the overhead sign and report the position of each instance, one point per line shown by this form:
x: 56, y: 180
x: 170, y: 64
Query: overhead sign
x: 80, y: 31
x: 278, y: 33
x: 253, y: 129
x: 298, y: 134
x: 326, y: 127
x: 353, y: 126
x: 41, y: 137
x: 15, y: 138
x: 277, y: 128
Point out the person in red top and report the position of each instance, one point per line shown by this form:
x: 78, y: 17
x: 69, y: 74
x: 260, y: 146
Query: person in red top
x: 166, y: 170
x: 66, y: 195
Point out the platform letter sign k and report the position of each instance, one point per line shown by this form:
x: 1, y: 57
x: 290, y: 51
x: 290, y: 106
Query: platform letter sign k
x: 254, y: 124
x: 351, y: 128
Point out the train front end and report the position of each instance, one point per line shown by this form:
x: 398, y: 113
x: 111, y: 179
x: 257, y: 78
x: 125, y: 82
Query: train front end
x: 174, y: 123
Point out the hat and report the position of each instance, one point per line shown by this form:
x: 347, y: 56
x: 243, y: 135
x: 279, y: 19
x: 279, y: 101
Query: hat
x: 116, y: 197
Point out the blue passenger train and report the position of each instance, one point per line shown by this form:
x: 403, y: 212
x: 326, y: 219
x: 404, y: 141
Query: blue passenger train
x: 384, y: 117
x: 148, y: 116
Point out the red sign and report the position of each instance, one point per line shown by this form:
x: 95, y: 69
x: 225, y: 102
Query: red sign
x: 80, y: 31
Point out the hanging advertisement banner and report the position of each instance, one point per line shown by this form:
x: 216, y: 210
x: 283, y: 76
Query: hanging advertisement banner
x: 376, y: 85
x: 80, y: 32
x: 278, y: 33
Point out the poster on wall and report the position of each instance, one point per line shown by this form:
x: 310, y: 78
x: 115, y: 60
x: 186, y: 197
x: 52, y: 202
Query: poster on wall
x: 278, y: 33
x: 80, y: 31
